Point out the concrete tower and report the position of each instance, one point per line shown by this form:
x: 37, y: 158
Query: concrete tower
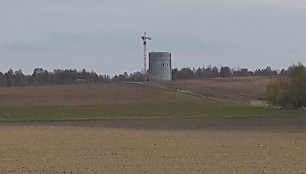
x: 160, y: 66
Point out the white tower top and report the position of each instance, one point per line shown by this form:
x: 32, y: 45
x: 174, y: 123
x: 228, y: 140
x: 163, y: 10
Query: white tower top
x: 145, y: 38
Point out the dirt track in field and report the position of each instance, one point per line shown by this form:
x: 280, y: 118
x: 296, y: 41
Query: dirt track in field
x: 154, y: 146
x: 239, y: 89
x: 234, y: 89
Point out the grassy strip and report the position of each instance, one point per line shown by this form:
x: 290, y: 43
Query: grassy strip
x: 168, y: 105
x: 178, y: 111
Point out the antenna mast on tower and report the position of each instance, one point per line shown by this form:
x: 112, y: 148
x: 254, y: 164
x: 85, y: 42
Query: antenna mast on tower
x: 145, y: 54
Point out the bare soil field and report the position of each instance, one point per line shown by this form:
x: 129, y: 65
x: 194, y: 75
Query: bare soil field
x: 154, y: 146
x: 256, y: 141
x: 239, y: 89
x: 234, y: 89
x: 229, y: 97
x: 77, y: 95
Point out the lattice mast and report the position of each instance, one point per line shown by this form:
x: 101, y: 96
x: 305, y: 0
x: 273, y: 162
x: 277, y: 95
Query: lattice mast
x: 145, y: 38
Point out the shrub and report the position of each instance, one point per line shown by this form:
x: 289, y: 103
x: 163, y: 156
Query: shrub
x: 289, y: 91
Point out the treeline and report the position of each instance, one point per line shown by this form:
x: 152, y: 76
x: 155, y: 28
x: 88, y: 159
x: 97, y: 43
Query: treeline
x: 68, y: 76
x: 41, y: 77
x: 224, y: 71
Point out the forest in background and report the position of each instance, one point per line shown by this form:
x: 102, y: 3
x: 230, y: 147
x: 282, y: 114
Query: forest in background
x: 41, y: 76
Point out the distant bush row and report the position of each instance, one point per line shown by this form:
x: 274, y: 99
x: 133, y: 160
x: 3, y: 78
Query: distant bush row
x: 289, y: 91
x: 223, y: 71
x: 68, y: 76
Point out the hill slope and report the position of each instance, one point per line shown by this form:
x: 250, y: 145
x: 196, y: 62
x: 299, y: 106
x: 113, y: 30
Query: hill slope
x: 118, y: 101
x: 239, y: 89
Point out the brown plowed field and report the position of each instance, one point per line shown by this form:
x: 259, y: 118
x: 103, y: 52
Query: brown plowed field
x: 77, y: 95
x: 237, y: 145
x: 239, y: 89
x: 233, y: 89
x: 154, y: 146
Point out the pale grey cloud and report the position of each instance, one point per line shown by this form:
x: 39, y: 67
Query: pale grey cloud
x: 105, y: 35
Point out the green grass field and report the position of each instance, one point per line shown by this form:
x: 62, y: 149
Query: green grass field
x: 160, y: 104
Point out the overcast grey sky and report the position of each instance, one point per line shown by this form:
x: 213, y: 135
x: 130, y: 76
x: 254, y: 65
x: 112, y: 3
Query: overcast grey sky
x: 104, y: 35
